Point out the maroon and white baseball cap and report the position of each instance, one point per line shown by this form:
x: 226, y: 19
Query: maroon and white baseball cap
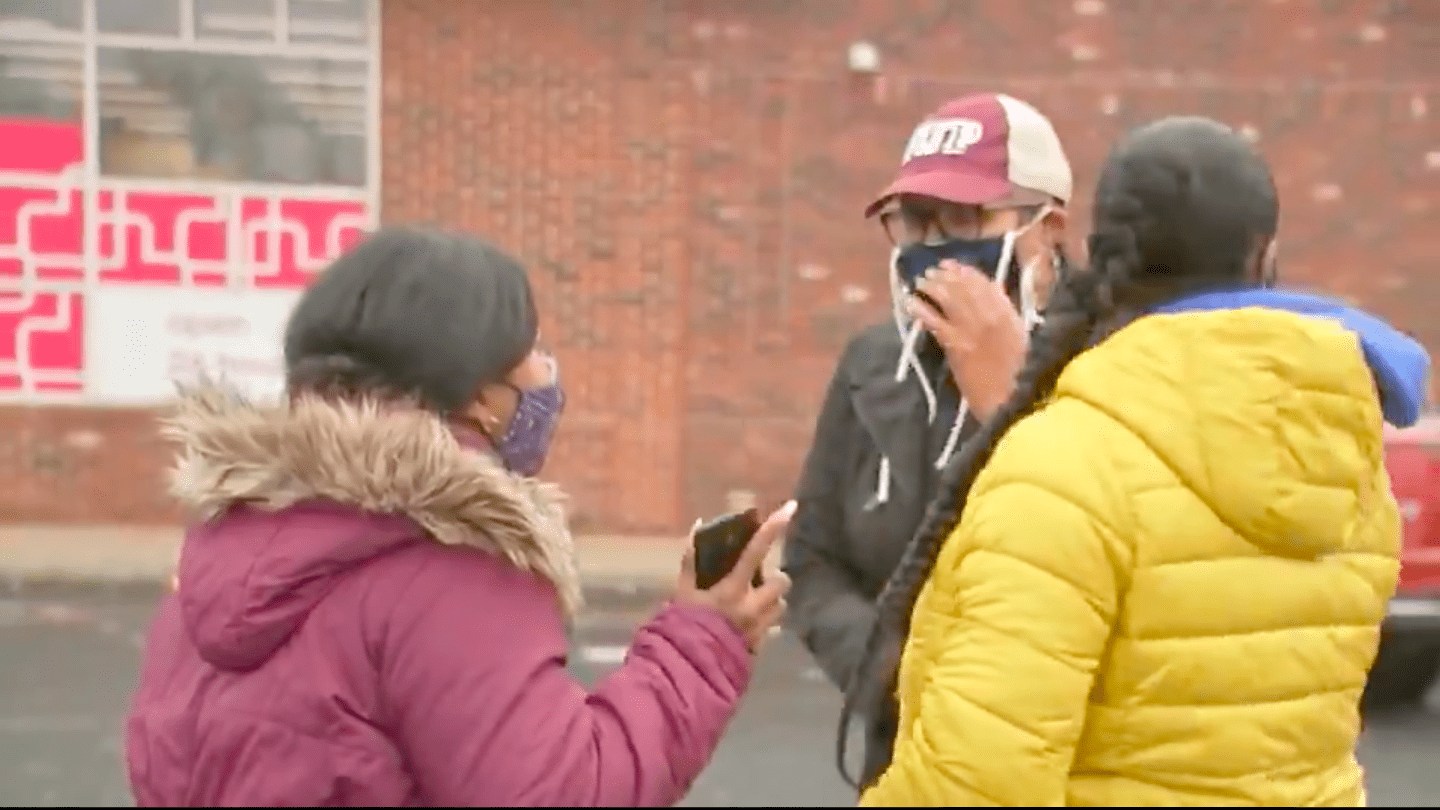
x: 983, y: 149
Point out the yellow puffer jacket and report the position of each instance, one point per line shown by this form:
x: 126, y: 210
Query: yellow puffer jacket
x: 1167, y: 585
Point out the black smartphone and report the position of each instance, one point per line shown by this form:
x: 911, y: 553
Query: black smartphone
x: 719, y: 542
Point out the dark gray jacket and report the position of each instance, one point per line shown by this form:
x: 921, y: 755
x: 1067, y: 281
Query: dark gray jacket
x: 847, y: 534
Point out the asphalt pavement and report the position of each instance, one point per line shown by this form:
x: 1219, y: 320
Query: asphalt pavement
x: 68, y: 660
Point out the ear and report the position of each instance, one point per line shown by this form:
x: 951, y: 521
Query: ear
x: 1272, y: 252
x: 1268, y: 271
x: 1055, y: 223
x: 484, y: 412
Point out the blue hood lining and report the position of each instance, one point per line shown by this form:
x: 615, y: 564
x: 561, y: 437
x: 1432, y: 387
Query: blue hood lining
x: 1401, y: 366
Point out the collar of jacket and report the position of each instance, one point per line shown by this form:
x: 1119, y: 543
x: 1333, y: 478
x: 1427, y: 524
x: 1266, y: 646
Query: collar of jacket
x: 1399, y: 363
x: 378, y: 458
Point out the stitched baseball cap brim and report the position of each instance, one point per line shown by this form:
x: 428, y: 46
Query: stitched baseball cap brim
x: 948, y: 185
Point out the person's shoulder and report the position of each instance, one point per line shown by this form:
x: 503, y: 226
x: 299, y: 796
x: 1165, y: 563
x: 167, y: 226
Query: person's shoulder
x: 880, y: 335
x: 430, y: 576
x: 869, y: 350
x: 1068, y: 453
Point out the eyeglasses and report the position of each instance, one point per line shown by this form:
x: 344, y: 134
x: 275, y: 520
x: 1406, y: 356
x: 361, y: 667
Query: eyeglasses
x: 909, y: 221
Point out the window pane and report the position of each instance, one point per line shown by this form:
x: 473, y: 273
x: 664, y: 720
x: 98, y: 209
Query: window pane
x: 329, y: 21
x: 227, y: 116
x: 138, y: 17
x: 235, y: 19
x: 15, y: 15
x: 40, y: 80
x: 42, y: 337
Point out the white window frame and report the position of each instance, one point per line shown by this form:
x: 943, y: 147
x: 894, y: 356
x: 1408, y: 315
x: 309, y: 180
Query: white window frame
x: 90, y: 41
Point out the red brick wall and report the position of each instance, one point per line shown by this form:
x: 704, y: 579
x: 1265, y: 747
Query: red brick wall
x: 686, y: 179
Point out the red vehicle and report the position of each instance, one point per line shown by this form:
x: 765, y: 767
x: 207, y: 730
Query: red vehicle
x: 1410, y: 645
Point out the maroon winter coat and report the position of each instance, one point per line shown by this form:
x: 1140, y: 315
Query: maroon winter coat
x: 369, y: 614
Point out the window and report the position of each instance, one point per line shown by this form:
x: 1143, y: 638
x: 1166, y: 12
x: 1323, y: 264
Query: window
x: 269, y: 119
x: 42, y: 80
x: 176, y: 158
x: 16, y: 16
x: 161, y: 17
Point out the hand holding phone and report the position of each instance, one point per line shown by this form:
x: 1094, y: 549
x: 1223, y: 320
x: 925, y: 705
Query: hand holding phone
x: 721, y: 571
x: 719, y: 542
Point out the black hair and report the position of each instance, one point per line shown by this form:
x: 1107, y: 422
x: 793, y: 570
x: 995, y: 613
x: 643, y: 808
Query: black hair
x: 1182, y: 205
x: 412, y: 314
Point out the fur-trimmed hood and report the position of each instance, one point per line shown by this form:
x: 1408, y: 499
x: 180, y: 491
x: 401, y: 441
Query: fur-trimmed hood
x: 383, y: 462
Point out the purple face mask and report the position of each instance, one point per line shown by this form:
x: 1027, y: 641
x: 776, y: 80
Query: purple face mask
x: 526, y: 441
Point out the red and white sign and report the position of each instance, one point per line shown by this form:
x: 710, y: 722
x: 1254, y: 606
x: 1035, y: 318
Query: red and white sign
x: 95, y: 308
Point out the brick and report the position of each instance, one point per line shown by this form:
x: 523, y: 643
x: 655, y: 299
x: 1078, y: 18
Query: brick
x: 686, y: 179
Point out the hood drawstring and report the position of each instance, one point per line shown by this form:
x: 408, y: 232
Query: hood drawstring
x: 910, y: 331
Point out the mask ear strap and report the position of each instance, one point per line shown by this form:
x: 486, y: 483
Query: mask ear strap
x: 1007, y: 250
x: 1060, y: 273
x: 897, y: 291
x: 1028, y: 309
x: 909, y: 336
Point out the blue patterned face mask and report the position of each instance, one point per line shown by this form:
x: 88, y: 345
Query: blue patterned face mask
x: 526, y: 441
x: 984, y: 255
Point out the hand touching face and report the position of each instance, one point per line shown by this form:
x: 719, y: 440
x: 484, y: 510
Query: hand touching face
x: 983, y: 336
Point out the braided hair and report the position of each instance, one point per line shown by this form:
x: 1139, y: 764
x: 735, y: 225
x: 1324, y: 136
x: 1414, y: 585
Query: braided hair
x: 1182, y: 205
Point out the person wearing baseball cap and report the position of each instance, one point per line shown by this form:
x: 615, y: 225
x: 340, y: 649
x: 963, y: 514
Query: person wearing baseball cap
x: 976, y: 218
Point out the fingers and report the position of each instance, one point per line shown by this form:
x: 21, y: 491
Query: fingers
x: 958, y: 273
x: 982, y: 296
x: 766, y: 625
x: 955, y: 308
x: 759, y: 546
x: 774, y: 588
x: 964, y: 289
x: 687, y: 560
x: 773, y: 614
x: 930, y: 320
x: 766, y: 628
x: 935, y: 284
x: 973, y: 303
x: 687, y: 563
x: 768, y: 600
x: 962, y: 282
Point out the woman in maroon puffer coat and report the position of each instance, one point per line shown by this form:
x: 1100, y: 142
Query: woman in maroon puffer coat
x: 373, y: 597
